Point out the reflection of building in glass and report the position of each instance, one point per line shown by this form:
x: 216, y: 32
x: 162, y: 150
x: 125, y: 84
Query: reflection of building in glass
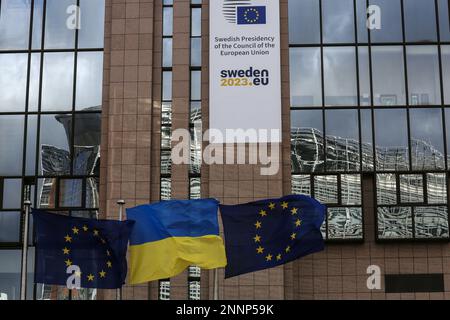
x: 85, y: 163
x: 307, y: 145
x: 400, y: 197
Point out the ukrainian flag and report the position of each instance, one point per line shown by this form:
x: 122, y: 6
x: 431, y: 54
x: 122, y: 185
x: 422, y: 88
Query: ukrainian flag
x: 171, y: 235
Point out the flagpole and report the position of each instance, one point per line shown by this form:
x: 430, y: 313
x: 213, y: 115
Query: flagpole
x: 121, y: 203
x: 23, y: 284
x: 216, y: 284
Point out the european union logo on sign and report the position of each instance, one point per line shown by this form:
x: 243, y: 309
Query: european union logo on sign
x: 268, y: 233
x: 251, y: 15
x: 97, y: 247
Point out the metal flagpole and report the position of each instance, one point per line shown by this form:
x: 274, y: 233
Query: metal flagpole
x: 23, y: 284
x: 121, y: 203
x: 216, y: 284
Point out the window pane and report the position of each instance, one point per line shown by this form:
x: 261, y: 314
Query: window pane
x: 394, y: 223
x: 30, y: 165
x: 364, y: 76
x: 367, y: 140
x: 89, y: 80
x: 87, y: 144
x: 196, y: 85
x: 38, y: 13
x: 11, y: 145
x: 444, y: 22
x: 307, y: 141
x: 168, y: 22
x: 391, y: 137
x: 196, y: 149
x: 167, y: 52
x: 340, y: 76
x: 57, y: 33
x: 304, y: 21
x: 12, y: 193
x: 391, y: 22
x: 342, y: 140
x: 306, y: 83
x: 35, y: 74
x: 167, y: 86
x: 166, y: 189
x: 70, y: 193
x: 196, y: 22
x: 54, y: 151
x: 427, y: 143
x: 445, y: 51
x: 338, y: 21
x: 386, y: 189
x: 351, y: 189
x: 195, y: 188
x: 411, y: 188
x: 420, y: 20
x: 388, y: 76
x: 301, y: 184
x: 361, y: 16
x: 9, y: 227
x: 92, y: 16
x: 326, y: 189
x: 196, y: 52
x: 57, y: 83
x: 423, y: 75
x: 13, y: 82
x: 14, y: 24
x: 345, y: 223
x: 437, y: 188
x: 431, y: 222
x: 10, y: 274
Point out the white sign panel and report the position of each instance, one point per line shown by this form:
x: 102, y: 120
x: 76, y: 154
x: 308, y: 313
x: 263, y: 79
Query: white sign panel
x: 245, y: 71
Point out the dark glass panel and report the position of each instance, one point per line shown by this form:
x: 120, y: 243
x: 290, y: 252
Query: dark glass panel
x: 304, y: 21
x: 89, y: 81
x: 342, y: 140
x: 427, y: 142
x: 391, y: 137
x: 11, y: 145
x: 306, y: 83
x: 307, y: 141
x: 13, y: 82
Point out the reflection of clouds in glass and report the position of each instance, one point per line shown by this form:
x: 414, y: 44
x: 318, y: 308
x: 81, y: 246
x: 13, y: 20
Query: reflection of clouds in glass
x: 391, y: 128
x: 338, y: 22
x: 57, y: 35
x: 14, y: 24
x: 11, y: 141
x: 89, y: 80
x: 340, y: 76
x: 306, y: 80
x: 426, y: 125
x: 92, y: 17
x: 57, y: 83
x: 13, y: 82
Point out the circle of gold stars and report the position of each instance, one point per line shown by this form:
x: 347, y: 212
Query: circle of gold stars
x: 67, y: 251
x: 250, y: 10
x: 260, y: 250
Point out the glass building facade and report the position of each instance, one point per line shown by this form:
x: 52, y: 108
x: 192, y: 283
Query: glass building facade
x: 51, y: 71
x: 368, y: 121
x: 372, y: 102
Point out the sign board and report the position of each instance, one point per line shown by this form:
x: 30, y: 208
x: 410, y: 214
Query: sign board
x: 245, y: 67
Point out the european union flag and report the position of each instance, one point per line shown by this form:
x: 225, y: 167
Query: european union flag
x: 269, y: 233
x: 97, y: 247
x: 251, y: 15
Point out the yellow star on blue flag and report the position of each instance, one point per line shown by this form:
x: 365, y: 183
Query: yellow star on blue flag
x: 290, y: 229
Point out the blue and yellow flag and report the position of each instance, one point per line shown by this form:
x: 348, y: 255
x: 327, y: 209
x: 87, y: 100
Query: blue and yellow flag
x: 269, y: 233
x: 171, y: 235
